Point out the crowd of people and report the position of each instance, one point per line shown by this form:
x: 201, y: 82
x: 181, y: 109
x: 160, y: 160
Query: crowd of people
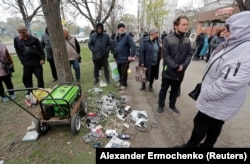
x: 222, y: 94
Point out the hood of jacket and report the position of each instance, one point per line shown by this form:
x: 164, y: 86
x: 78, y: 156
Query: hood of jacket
x: 239, y: 28
x: 99, y: 25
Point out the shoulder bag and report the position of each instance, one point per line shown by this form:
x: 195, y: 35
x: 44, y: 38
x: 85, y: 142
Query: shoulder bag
x: 194, y: 94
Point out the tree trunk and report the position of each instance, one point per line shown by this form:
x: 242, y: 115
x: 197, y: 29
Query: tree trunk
x: 241, y: 5
x: 247, y: 5
x: 51, y: 10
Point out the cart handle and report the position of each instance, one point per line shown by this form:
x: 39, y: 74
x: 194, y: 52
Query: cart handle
x: 24, y: 89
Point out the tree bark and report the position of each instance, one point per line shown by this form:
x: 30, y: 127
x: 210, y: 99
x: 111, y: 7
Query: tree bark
x: 247, y: 5
x: 51, y: 10
x: 241, y: 5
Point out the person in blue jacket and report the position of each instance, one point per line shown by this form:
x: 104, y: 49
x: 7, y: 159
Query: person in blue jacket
x: 125, y: 50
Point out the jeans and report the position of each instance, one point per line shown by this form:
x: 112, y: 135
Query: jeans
x: 175, y: 85
x: 76, y: 66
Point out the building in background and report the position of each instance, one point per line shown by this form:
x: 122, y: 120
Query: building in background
x: 214, y: 14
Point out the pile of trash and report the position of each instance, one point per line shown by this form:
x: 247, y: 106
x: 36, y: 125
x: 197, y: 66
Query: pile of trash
x: 113, y: 120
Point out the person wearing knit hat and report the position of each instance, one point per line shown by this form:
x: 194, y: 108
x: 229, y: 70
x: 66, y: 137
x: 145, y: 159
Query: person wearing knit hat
x: 125, y: 49
x: 121, y: 25
x: 150, y: 56
x: 153, y: 30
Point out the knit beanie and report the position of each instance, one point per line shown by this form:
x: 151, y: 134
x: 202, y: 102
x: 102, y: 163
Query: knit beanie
x: 153, y: 30
x: 120, y: 25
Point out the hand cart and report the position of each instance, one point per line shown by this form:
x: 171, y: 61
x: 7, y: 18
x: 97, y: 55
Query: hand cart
x: 62, y: 105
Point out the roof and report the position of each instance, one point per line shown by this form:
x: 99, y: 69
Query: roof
x: 211, y: 15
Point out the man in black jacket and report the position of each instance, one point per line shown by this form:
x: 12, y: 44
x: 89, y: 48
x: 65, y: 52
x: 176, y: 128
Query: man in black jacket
x: 177, y: 54
x: 100, y: 45
x: 31, y: 54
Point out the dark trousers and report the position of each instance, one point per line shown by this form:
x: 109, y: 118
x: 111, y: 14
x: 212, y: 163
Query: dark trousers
x: 197, y: 53
x: 175, y: 85
x: 27, y: 76
x: 53, y: 68
x: 98, y: 65
x: 123, y: 73
x: 205, y: 127
x: 152, y: 74
x: 8, y: 83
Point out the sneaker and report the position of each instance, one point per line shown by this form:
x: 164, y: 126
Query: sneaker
x: 5, y: 99
x: 175, y: 111
x: 122, y: 87
x: 159, y: 111
x: 13, y: 96
x: 118, y: 84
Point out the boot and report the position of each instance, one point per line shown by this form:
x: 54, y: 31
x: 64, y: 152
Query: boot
x: 143, y: 86
x: 150, y: 88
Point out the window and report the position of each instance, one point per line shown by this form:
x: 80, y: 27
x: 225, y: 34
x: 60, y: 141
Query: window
x: 220, y: 24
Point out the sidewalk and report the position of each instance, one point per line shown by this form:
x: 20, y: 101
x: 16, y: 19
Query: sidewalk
x: 170, y: 130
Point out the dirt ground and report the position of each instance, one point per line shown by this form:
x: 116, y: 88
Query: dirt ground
x: 167, y: 130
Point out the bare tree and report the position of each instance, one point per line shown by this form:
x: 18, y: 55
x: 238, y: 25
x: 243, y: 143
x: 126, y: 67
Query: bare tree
x: 130, y: 21
x: 51, y: 10
x: 96, y: 15
x: 28, y: 9
x: 244, y: 4
x: 115, y: 16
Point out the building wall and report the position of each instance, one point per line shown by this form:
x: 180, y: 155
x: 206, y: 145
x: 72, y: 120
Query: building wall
x: 207, y: 25
x: 215, y: 4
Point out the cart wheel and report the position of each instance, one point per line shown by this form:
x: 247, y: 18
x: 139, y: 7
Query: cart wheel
x: 42, y: 128
x: 83, y: 107
x: 75, y: 124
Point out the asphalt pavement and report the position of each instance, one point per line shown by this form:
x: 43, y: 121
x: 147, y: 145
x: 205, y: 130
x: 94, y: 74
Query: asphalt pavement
x: 170, y: 130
